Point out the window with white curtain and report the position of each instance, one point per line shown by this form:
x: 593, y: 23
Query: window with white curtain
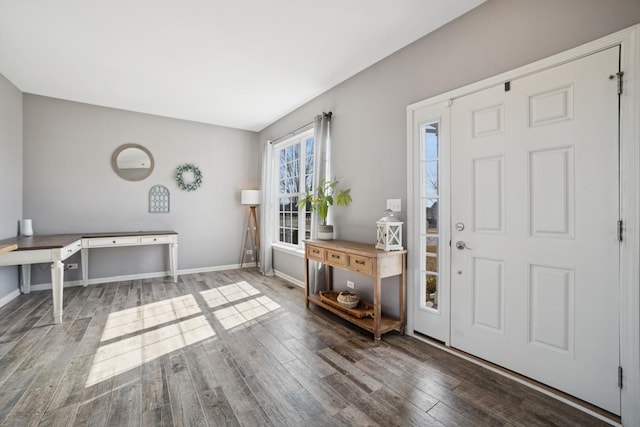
x: 294, y: 169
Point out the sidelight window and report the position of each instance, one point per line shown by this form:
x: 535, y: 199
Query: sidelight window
x: 429, y: 229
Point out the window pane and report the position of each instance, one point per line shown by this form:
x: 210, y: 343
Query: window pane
x: 431, y: 178
x: 307, y: 224
x: 431, y: 291
x: 432, y: 245
x: 431, y: 216
x: 308, y: 183
x: 431, y: 141
x: 309, y: 147
x: 308, y: 165
x: 432, y: 262
x: 292, y: 186
x: 283, y: 172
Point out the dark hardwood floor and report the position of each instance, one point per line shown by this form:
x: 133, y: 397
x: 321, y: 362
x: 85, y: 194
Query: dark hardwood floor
x: 236, y: 348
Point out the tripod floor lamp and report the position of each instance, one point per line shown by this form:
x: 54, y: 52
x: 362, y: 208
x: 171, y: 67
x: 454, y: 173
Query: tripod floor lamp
x: 251, y: 198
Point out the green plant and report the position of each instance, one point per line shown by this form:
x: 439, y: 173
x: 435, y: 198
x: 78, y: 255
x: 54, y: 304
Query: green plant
x: 324, y: 196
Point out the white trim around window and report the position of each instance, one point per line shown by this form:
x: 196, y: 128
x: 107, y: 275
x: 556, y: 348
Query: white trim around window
x: 293, y: 170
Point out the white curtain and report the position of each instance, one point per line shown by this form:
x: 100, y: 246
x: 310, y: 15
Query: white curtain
x: 322, y: 164
x: 322, y: 150
x: 266, y: 219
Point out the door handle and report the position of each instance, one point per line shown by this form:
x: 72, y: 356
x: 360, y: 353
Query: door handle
x: 462, y: 245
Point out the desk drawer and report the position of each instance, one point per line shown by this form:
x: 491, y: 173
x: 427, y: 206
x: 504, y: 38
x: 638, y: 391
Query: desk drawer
x: 112, y: 241
x: 151, y: 240
x: 361, y: 264
x: 71, y: 249
x: 315, y: 253
x: 337, y: 258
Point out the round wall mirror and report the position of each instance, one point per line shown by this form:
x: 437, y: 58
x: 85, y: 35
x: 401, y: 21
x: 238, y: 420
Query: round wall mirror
x: 132, y: 162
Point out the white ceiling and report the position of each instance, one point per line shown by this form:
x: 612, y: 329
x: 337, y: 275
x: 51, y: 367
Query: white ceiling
x: 237, y: 63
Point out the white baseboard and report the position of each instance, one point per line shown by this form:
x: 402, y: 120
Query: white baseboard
x: 97, y: 280
x: 207, y: 269
x: 71, y: 283
x: 288, y: 278
x: 9, y: 297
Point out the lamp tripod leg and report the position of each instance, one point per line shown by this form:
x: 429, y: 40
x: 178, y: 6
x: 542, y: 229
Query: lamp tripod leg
x: 244, y: 241
x: 256, y: 235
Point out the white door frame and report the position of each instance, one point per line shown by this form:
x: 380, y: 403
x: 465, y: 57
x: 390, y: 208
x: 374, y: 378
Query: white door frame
x: 629, y: 40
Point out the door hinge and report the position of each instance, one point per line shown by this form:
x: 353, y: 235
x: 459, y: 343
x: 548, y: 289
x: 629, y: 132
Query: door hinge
x: 620, y: 377
x: 620, y: 74
x: 620, y: 230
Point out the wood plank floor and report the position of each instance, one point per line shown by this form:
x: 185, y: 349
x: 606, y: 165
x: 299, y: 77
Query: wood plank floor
x: 235, y: 348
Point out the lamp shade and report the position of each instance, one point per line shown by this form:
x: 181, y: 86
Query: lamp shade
x: 250, y: 197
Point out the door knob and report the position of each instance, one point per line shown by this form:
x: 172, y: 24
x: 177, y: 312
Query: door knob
x: 461, y: 245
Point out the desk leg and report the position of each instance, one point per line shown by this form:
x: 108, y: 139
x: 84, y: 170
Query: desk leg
x: 84, y: 260
x: 173, y: 261
x: 57, y: 274
x: 377, y: 310
x: 26, y: 278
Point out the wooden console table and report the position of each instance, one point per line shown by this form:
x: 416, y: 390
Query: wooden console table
x: 55, y: 249
x: 363, y: 259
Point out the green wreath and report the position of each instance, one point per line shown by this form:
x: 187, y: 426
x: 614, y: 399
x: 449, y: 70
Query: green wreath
x: 197, y: 177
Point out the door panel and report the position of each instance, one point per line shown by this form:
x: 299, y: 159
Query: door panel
x: 534, y: 180
x: 488, y: 195
x: 551, y: 298
x: 551, y: 184
x: 488, y: 294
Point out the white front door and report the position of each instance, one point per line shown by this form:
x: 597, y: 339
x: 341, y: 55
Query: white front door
x: 534, y: 211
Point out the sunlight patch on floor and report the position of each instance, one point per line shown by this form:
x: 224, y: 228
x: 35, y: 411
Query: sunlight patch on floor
x: 117, y: 357
x: 229, y: 293
x: 149, y: 315
x: 126, y: 345
x: 239, y: 313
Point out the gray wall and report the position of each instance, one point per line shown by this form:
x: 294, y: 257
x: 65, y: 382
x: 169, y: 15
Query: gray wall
x: 369, y: 121
x: 69, y: 185
x: 10, y: 174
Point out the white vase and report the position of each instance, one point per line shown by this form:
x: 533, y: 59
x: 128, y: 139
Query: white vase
x: 27, y: 227
x: 325, y: 232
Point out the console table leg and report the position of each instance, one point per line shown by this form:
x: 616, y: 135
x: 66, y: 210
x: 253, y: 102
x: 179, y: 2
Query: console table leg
x: 377, y: 310
x: 57, y: 272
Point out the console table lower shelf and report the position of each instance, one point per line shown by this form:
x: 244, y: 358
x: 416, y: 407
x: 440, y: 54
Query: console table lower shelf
x: 387, y: 323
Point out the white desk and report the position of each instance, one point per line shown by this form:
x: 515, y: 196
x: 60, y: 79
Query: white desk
x: 117, y: 240
x: 55, y: 249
